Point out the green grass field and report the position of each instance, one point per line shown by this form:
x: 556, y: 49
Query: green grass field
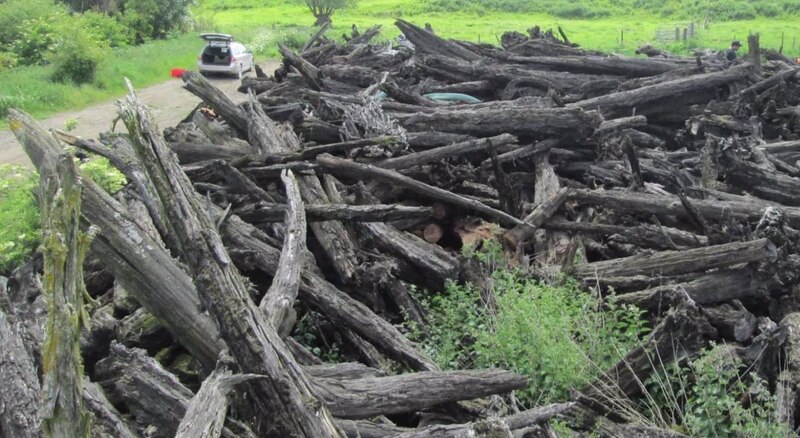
x: 291, y: 20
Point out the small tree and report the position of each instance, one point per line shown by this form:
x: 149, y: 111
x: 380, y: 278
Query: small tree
x: 324, y: 9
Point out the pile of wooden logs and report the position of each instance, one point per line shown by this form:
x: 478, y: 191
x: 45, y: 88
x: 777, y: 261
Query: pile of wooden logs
x: 358, y: 172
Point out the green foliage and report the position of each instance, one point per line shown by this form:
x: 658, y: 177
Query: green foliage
x: 75, y: 59
x: 105, y: 28
x: 307, y: 333
x: 70, y: 125
x: 708, y: 397
x: 19, y: 214
x: 103, y: 173
x: 714, y: 406
x: 154, y: 19
x: 36, y: 39
x: 15, y: 13
x: 557, y: 336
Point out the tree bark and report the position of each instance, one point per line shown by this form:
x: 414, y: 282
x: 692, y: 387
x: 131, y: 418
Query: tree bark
x: 19, y: 393
x: 64, y: 414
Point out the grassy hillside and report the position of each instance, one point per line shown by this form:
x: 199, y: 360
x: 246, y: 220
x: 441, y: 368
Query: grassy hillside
x: 616, y: 26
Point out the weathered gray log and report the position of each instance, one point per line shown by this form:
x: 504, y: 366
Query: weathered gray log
x: 436, y: 154
x: 614, y: 65
x: 680, y: 262
x: 520, y: 121
x: 267, y: 212
x: 427, y: 42
x: 154, y: 398
x: 308, y: 152
x: 205, y: 415
x: 538, y: 216
x: 788, y: 387
x: 128, y: 249
x: 255, y: 254
x: 64, y: 248
x: 280, y: 296
x: 199, y: 86
x: 19, y: 393
x: 107, y: 422
x: 671, y: 206
x: 768, y: 184
x: 284, y: 393
x: 620, y: 102
x: 650, y: 236
x: 369, y: 429
x: 367, y: 397
x: 310, y: 72
x: 712, y: 288
x: 732, y: 321
x: 510, y: 423
x: 364, y: 171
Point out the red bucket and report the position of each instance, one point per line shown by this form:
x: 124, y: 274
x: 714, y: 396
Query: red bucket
x: 177, y: 72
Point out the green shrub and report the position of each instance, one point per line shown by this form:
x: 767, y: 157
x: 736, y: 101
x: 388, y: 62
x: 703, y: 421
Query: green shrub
x: 19, y: 214
x: 557, y: 336
x: 714, y: 406
x: 75, y: 60
x: 8, y: 102
x: 37, y: 38
x: 8, y: 60
x: 14, y: 14
x: 153, y: 19
x: 580, y: 11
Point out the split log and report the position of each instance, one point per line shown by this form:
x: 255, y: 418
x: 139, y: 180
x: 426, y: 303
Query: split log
x: 155, y: 399
x: 199, y: 86
x: 364, y: 398
x: 284, y: 394
x: 613, y: 65
x: 279, y: 299
x: 680, y: 262
x: 205, y: 415
x: 107, y: 422
x: 309, y: 72
x: 427, y: 42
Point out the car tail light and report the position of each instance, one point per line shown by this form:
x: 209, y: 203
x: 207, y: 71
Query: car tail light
x: 233, y: 59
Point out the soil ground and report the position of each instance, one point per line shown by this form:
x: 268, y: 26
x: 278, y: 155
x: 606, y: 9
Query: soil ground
x: 168, y: 101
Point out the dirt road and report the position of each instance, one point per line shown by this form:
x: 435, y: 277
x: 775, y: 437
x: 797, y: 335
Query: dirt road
x: 168, y: 101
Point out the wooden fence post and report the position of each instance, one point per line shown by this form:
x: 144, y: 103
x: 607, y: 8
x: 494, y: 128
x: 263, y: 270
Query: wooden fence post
x: 754, y: 51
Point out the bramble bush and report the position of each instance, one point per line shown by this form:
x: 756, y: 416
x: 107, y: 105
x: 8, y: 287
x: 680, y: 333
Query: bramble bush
x: 558, y: 336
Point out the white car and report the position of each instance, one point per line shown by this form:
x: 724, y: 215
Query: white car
x: 223, y: 55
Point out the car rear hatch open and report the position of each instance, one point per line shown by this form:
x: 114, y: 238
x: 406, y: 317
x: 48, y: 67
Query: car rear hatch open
x: 217, y: 51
